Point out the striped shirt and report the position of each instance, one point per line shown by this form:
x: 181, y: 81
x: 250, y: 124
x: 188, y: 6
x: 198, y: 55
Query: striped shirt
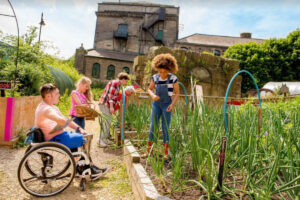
x: 158, y: 80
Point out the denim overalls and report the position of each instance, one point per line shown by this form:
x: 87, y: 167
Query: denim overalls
x: 159, y: 109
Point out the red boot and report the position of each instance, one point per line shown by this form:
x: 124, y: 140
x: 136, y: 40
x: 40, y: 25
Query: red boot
x: 166, y: 149
x: 149, y: 145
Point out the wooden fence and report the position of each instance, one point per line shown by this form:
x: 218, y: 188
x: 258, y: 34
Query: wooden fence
x: 16, y: 113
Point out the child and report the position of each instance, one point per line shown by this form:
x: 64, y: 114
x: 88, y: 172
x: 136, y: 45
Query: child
x: 81, y: 96
x: 165, y: 83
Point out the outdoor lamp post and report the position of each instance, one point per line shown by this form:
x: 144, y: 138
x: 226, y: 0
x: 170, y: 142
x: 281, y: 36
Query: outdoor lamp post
x: 42, y: 23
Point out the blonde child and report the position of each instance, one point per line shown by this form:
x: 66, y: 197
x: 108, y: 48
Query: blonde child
x: 81, y: 96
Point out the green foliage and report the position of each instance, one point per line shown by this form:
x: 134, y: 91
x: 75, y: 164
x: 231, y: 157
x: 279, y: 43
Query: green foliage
x: 260, y: 165
x: 21, y: 139
x: 97, y: 90
x: 273, y: 60
x: 64, y: 104
x: 33, y: 70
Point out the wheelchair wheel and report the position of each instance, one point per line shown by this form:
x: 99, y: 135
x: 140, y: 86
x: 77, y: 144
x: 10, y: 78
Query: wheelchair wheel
x: 46, y: 170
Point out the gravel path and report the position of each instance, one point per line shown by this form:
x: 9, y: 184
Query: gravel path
x: 114, y: 185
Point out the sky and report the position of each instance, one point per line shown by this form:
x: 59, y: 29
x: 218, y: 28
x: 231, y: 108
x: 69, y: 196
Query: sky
x: 72, y: 22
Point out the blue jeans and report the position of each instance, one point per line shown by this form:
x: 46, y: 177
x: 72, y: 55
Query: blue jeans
x: 159, y: 111
x: 80, y: 121
x: 69, y: 139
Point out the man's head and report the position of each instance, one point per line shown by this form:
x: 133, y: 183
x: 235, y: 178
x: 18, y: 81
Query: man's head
x: 123, y: 77
x: 50, y: 93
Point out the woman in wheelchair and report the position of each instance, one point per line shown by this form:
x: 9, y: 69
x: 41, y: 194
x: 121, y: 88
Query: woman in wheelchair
x: 51, y: 162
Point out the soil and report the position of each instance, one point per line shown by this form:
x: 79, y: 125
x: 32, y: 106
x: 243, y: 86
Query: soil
x: 191, y: 191
x: 114, y: 185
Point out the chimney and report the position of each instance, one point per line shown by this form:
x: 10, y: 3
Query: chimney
x: 245, y: 35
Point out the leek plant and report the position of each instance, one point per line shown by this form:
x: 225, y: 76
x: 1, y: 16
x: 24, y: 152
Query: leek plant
x: 257, y: 166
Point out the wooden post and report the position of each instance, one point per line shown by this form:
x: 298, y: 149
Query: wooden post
x: 2, y: 93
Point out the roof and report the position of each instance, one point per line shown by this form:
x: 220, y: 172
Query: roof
x: 216, y: 40
x: 115, y: 55
x: 139, y: 3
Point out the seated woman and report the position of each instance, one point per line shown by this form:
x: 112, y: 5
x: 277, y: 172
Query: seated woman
x: 48, y: 117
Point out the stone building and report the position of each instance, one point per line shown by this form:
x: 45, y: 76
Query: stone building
x: 126, y: 30
x: 215, y: 44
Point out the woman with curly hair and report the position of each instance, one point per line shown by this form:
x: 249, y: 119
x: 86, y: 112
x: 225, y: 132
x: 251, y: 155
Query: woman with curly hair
x: 165, y: 84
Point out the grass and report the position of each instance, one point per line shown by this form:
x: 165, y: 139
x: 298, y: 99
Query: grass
x: 116, y: 179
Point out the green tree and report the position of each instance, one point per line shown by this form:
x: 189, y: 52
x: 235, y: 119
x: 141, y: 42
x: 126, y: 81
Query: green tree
x: 33, y: 68
x: 273, y: 60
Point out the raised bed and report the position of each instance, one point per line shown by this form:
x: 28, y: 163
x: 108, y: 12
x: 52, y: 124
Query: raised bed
x: 142, y: 185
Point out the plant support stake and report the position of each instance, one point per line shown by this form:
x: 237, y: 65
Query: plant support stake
x: 224, y: 138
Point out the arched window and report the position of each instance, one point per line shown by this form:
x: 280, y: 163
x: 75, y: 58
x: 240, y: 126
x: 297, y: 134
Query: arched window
x: 110, y: 72
x: 184, y: 48
x: 126, y: 69
x: 217, y: 52
x: 96, y: 70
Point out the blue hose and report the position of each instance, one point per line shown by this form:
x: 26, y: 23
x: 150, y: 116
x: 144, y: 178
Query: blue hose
x: 227, y: 91
x: 181, y: 84
x: 123, y: 118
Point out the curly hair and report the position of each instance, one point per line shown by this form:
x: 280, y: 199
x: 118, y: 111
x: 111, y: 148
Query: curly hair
x: 165, y: 61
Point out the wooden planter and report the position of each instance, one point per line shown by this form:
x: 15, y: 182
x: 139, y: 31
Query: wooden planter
x: 142, y: 186
x: 16, y: 113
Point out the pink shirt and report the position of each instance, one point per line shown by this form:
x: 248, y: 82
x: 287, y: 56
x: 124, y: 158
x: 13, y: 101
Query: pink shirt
x: 82, y: 98
x: 47, y: 125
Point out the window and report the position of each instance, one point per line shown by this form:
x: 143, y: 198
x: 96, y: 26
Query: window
x: 184, y: 48
x: 122, y: 30
x: 126, y: 69
x: 110, y: 72
x: 217, y: 52
x: 96, y: 70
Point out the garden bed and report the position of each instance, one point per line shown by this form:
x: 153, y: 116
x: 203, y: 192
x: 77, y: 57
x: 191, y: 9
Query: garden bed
x: 142, y: 186
x: 259, y: 163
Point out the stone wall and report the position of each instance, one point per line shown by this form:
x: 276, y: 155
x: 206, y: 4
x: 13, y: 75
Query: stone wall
x: 213, y: 73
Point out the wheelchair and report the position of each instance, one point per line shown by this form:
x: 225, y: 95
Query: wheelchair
x: 48, y: 168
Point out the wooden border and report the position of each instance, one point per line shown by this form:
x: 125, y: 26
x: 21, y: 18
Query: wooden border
x: 142, y: 186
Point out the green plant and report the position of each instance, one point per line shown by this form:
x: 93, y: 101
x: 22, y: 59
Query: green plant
x: 64, y: 104
x: 21, y: 139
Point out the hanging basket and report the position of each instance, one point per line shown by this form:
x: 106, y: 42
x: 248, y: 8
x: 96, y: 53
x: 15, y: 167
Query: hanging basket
x: 88, y: 113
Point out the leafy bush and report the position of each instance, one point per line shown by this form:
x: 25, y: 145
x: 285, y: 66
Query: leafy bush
x: 33, y: 70
x: 273, y: 60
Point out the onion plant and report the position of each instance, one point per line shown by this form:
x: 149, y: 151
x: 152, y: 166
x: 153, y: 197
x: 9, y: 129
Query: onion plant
x: 257, y: 166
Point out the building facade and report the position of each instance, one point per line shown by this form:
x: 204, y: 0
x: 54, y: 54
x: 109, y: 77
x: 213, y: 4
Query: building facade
x: 126, y: 30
